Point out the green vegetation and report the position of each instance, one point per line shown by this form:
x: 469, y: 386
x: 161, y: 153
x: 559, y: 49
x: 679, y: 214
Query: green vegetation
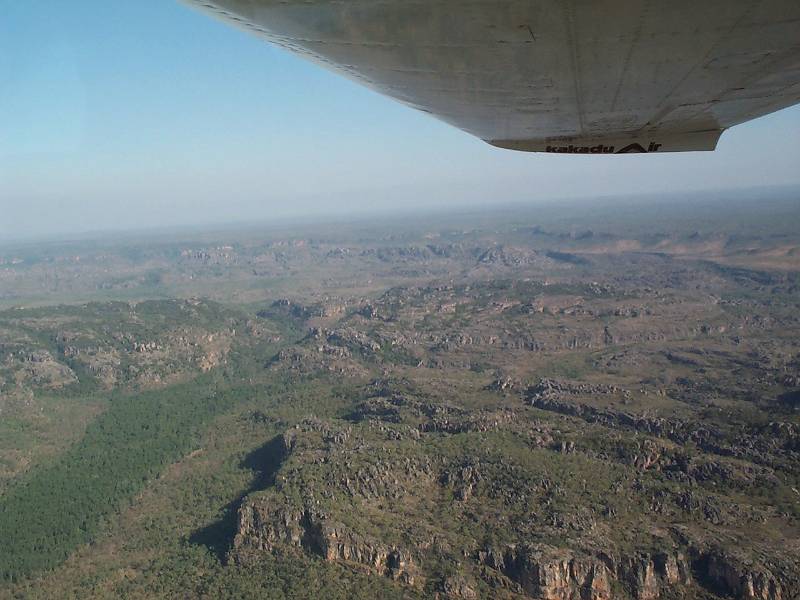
x: 53, y: 509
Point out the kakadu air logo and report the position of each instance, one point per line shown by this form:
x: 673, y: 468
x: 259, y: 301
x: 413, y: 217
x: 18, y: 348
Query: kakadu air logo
x: 637, y: 148
x: 634, y: 148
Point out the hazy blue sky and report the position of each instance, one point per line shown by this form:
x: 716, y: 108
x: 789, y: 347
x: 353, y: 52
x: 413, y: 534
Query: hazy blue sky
x: 126, y: 114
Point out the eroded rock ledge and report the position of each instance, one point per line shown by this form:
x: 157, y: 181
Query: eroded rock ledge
x: 557, y: 574
x: 270, y: 528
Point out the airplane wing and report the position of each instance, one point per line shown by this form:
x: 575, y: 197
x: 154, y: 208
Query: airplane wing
x: 567, y: 76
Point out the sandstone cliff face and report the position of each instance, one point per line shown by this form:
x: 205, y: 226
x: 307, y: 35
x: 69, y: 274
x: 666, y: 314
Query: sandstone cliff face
x: 648, y: 576
x: 556, y: 574
x: 335, y: 542
x: 549, y: 573
x: 266, y: 527
x: 263, y: 529
x: 561, y: 577
x: 746, y: 582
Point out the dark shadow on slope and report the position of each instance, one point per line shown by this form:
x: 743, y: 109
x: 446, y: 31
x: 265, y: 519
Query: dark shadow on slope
x: 790, y: 399
x: 218, y: 536
x: 567, y: 257
x: 265, y: 462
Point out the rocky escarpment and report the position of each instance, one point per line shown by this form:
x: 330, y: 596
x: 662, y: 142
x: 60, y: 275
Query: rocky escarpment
x: 276, y: 528
x: 740, y: 578
x: 766, y: 445
x: 302, y: 510
x: 36, y: 368
x: 549, y: 573
x: 430, y: 417
x: 334, y: 473
x: 545, y: 572
x: 558, y: 574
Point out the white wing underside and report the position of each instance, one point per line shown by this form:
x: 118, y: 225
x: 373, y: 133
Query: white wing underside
x: 575, y: 76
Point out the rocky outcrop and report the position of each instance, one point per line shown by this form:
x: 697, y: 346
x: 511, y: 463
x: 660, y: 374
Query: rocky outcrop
x: 431, y: 417
x: 499, y: 255
x: 648, y: 576
x: 325, y: 358
x: 354, y: 465
x: 335, y: 542
x: 559, y: 574
x: 39, y: 368
x: 552, y: 574
x: 462, y: 481
x: 457, y: 587
x: 759, y: 445
x: 729, y: 575
x: 266, y: 526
